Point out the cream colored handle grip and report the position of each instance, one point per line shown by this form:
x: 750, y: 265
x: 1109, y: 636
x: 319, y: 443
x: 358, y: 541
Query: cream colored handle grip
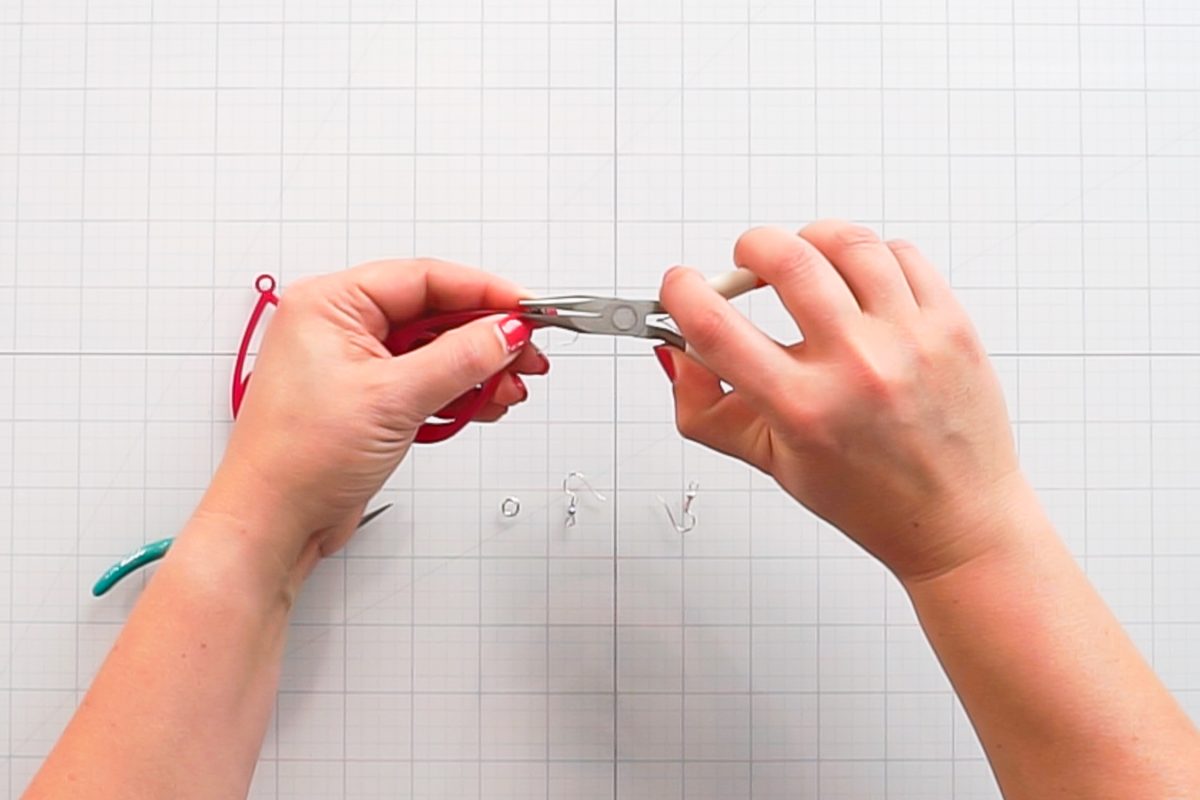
x: 733, y: 284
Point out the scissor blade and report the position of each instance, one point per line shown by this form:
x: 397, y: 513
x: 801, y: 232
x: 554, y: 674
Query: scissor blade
x: 371, y: 515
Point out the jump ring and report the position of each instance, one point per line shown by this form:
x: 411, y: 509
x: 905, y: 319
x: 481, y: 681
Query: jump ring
x: 510, y: 507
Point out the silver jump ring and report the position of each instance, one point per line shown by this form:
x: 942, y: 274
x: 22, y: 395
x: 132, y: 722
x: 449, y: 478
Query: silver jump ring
x: 510, y: 507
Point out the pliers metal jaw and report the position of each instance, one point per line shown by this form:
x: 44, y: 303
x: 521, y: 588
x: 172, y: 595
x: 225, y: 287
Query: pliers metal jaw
x: 610, y: 316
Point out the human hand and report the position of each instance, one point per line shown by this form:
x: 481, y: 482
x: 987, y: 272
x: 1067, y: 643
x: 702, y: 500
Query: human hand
x: 330, y: 413
x: 887, y: 420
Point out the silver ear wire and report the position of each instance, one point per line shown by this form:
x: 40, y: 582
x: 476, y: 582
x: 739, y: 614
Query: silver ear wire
x: 573, y: 498
x: 687, y: 518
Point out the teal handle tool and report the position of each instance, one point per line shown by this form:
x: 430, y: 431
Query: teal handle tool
x: 149, y: 553
x: 144, y: 555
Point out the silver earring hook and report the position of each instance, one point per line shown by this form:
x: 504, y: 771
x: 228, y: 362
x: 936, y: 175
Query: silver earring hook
x: 573, y: 498
x: 687, y: 518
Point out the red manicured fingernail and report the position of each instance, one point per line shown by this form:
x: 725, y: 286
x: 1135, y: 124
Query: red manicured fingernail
x: 514, y: 333
x: 521, y: 387
x: 666, y: 360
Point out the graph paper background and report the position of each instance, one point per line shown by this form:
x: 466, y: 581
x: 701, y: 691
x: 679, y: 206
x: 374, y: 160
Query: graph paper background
x: 156, y: 156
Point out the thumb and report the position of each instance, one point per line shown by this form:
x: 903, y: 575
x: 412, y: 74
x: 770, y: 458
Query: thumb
x: 459, y: 360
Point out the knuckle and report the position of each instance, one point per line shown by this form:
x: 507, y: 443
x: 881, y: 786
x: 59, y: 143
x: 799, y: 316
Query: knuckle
x: 427, y: 263
x: 853, y: 237
x: 962, y: 339
x: 884, y: 377
x: 953, y: 328
x: 880, y: 386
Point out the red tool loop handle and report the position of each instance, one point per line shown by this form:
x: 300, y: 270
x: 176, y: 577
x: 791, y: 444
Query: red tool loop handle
x: 265, y: 284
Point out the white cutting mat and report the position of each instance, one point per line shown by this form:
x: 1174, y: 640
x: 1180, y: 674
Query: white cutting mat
x: 156, y: 156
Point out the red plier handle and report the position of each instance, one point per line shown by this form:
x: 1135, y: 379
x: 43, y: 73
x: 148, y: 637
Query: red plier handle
x: 265, y: 286
x: 424, y: 331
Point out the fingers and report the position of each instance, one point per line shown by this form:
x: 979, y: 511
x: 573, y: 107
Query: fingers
x: 725, y: 340
x: 388, y: 293
x: 809, y: 286
x: 531, y: 361
x: 429, y: 378
x: 492, y: 412
x: 927, y: 284
x: 511, y: 391
x: 866, y: 265
x: 458, y: 406
x: 706, y: 413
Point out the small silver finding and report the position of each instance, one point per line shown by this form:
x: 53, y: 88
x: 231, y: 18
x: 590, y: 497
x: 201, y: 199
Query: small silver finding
x: 510, y: 507
x: 573, y: 498
x: 687, y: 518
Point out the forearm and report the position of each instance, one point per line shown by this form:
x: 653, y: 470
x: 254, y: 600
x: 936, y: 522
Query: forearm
x: 1062, y: 701
x: 181, y: 704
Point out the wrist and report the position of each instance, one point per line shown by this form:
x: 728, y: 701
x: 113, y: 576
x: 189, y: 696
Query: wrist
x: 248, y: 530
x: 992, y: 528
x: 215, y: 556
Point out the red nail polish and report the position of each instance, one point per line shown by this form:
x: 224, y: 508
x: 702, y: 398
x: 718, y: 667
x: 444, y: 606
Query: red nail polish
x: 666, y: 360
x: 514, y: 333
x: 521, y: 387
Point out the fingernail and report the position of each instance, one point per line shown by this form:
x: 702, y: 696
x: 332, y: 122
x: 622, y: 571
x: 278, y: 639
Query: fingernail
x: 521, y: 387
x: 514, y: 333
x: 666, y: 360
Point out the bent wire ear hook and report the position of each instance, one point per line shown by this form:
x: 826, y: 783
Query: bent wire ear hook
x: 573, y: 498
x: 687, y: 518
x: 149, y: 553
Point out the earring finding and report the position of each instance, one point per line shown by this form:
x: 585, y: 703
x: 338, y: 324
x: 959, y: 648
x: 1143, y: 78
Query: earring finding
x: 573, y: 498
x: 687, y: 518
